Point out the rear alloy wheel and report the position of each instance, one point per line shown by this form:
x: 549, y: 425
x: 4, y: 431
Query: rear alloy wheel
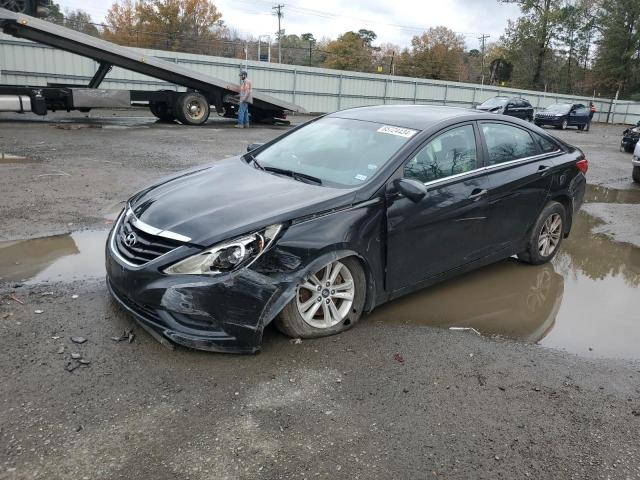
x: 636, y: 174
x: 192, y: 108
x: 327, y: 302
x: 546, y: 235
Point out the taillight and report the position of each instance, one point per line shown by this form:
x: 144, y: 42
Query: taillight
x: 583, y: 165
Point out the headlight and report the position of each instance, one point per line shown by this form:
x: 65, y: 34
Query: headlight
x: 559, y: 114
x: 227, y: 256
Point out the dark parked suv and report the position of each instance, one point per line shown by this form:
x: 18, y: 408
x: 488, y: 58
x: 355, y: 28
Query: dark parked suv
x: 336, y: 217
x: 514, y: 107
x: 563, y: 115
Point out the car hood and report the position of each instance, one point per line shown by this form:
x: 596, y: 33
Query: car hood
x: 230, y: 198
x: 488, y: 109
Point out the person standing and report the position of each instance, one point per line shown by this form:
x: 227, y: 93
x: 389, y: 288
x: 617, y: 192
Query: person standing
x: 245, y: 97
x: 592, y: 111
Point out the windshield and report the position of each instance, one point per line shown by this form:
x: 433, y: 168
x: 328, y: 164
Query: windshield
x: 559, y: 108
x: 340, y: 152
x: 495, y: 102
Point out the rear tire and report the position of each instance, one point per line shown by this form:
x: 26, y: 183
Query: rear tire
x: 546, y: 236
x: 636, y: 174
x: 333, y: 308
x: 192, y: 108
x: 161, y: 110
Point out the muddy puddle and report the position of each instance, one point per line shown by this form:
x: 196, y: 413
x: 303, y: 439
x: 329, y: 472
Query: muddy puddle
x: 586, y: 302
x: 6, y: 158
x: 599, y: 194
x: 61, y: 258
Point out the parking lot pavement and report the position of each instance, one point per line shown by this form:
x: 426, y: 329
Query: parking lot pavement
x: 392, y: 398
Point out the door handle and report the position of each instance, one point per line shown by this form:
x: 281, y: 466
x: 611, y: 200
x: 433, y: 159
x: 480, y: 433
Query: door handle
x: 477, y: 193
x: 544, y: 169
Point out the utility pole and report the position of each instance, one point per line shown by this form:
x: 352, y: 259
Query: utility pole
x: 482, y: 39
x: 278, y: 9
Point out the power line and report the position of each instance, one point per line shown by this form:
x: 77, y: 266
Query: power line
x: 482, y: 39
x: 278, y: 9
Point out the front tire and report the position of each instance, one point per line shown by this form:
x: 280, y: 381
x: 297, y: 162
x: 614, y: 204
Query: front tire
x: 636, y: 174
x: 564, y: 124
x: 546, y: 236
x: 327, y: 302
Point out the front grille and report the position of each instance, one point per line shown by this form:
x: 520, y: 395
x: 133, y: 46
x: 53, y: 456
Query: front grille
x: 146, y: 248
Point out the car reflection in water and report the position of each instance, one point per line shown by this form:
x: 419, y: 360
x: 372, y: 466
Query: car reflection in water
x: 507, y: 299
x: 57, y: 258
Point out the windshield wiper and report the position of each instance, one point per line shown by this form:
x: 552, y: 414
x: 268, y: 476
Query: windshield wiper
x: 295, y: 175
x: 253, y: 159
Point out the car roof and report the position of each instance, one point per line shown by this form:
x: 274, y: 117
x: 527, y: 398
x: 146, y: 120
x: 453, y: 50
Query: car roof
x: 417, y: 117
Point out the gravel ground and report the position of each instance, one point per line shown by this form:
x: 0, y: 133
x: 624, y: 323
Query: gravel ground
x: 384, y: 400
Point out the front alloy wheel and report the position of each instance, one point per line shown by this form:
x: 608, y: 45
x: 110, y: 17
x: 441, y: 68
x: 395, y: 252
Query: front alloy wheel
x: 325, y: 299
x: 326, y: 302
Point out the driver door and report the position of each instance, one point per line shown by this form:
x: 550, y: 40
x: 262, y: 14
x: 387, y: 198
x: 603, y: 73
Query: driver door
x: 446, y: 229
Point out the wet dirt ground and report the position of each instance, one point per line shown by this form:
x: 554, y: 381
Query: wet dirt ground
x: 550, y: 389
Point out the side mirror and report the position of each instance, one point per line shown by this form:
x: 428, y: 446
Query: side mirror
x: 412, y: 189
x: 253, y: 146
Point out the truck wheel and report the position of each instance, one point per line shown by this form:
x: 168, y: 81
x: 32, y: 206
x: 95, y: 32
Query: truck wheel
x: 636, y: 174
x: 192, y: 108
x: 161, y: 110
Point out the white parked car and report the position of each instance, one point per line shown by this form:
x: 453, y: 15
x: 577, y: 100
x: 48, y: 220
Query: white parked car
x: 635, y: 160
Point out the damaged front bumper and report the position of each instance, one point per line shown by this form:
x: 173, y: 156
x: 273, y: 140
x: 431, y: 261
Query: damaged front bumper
x: 226, y: 313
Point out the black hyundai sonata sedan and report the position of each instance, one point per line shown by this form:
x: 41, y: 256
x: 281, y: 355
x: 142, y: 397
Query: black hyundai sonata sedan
x: 335, y: 217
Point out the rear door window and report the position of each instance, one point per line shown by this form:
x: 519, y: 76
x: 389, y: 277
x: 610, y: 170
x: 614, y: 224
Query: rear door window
x: 506, y: 143
x: 450, y: 153
x: 546, y: 145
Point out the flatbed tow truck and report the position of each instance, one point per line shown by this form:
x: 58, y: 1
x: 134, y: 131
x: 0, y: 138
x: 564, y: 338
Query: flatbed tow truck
x: 190, y: 107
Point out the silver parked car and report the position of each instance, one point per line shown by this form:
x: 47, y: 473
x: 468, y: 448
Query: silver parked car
x: 635, y: 161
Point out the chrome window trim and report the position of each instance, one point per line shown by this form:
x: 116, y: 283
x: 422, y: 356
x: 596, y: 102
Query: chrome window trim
x: 452, y: 177
x: 540, y: 156
x: 491, y: 167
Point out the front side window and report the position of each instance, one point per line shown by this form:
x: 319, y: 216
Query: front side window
x: 506, y: 143
x: 341, y: 152
x: 450, y: 153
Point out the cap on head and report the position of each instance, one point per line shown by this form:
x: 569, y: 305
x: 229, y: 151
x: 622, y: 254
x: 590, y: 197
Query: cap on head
x: 243, y: 73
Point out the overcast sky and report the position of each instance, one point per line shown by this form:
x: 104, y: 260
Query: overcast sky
x: 393, y: 21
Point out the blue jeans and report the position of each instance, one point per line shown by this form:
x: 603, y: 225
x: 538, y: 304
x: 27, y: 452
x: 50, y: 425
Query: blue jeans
x: 243, y: 114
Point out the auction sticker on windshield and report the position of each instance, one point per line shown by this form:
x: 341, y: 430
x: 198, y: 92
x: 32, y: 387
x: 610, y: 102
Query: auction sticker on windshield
x: 400, y: 132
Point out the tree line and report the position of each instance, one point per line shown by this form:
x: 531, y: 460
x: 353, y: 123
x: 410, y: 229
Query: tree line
x: 566, y: 46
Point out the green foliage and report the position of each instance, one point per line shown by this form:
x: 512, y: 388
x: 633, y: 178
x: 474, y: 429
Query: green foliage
x: 617, y: 64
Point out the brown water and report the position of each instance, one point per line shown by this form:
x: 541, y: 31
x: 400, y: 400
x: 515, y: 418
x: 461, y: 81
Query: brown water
x: 586, y: 302
x: 6, y: 158
x: 598, y: 194
x: 61, y: 258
